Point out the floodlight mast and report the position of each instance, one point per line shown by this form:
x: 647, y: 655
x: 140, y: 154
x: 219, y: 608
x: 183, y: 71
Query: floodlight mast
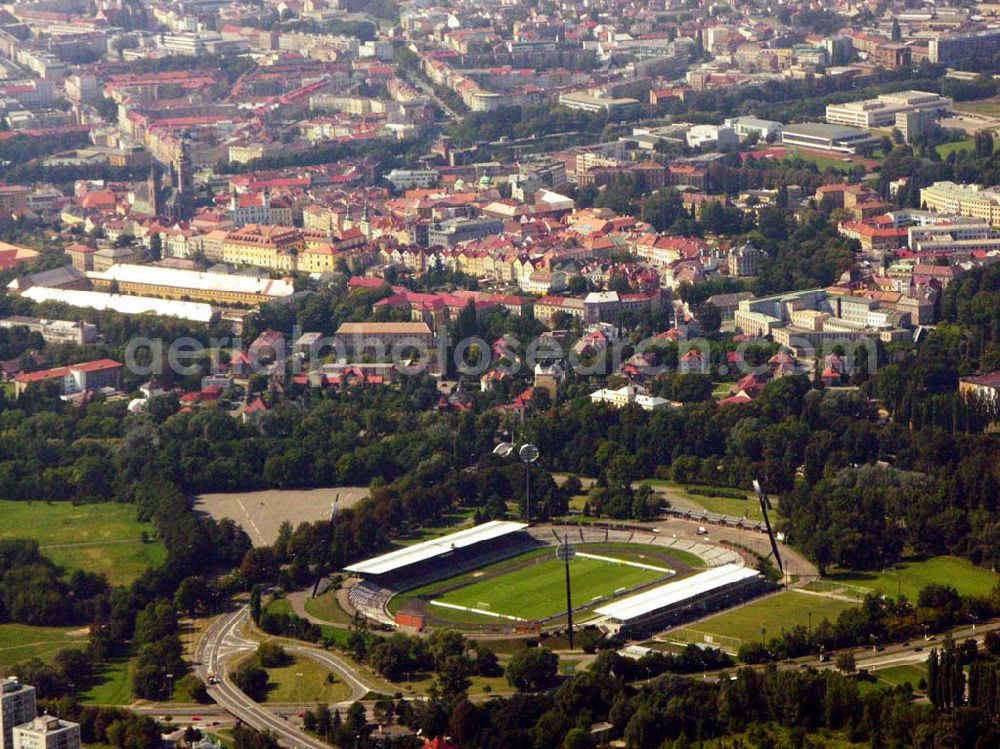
x: 528, y: 454
x: 764, y: 503
x: 326, y: 544
x: 566, y: 553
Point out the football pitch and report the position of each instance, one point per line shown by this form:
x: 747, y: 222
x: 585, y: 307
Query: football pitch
x: 538, y: 591
x: 761, y: 619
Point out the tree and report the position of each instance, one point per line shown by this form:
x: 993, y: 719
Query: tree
x: 155, y: 247
x: 577, y: 284
x: 532, y: 669
x: 453, y: 678
x: 271, y: 655
x: 984, y: 144
x: 190, y: 595
x: 465, y: 724
x: 251, y: 680
x: 846, y: 663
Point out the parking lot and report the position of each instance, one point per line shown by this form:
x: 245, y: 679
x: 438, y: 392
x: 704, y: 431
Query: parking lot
x: 261, y: 513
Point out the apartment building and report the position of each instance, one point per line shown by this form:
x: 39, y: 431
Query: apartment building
x: 408, y: 179
x: 454, y: 231
x: 963, y: 200
x: 47, y: 732
x: 948, y: 49
x: 359, y: 337
x: 17, y: 707
x: 745, y: 260
x: 75, y: 378
x: 54, y: 331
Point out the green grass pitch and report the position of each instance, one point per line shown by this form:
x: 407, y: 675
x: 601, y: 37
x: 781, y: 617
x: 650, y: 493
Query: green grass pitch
x: 101, y: 537
x: 539, y: 591
x: 774, y: 613
x: 912, y: 575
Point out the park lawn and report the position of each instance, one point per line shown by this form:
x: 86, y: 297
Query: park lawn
x: 279, y: 606
x: 105, y: 538
x: 774, y: 613
x: 449, y: 523
x: 110, y: 685
x: 896, y: 676
x: 338, y: 635
x: 748, y: 508
x: 944, y: 149
x: 303, y: 681
x: 989, y: 107
x: 721, y: 390
x: 819, y: 738
x: 20, y: 642
x: 325, y: 607
x: 538, y: 591
x: 912, y: 575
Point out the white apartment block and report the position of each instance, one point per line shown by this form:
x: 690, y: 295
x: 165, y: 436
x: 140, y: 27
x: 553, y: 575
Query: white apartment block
x: 17, y: 706
x: 881, y: 112
x: 408, y: 179
x: 47, y: 732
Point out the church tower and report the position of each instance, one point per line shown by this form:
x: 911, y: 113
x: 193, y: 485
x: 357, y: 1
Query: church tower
x: 153, y: 191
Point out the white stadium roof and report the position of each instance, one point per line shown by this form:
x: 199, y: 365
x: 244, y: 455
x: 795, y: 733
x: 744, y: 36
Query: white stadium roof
x: 131, y: 305
x: 673, y: 593
x: 425, y: 550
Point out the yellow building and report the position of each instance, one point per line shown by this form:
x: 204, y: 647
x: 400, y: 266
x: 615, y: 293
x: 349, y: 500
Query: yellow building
x: 273, y: 247
x: 319, y: 258
x: 964, y: 200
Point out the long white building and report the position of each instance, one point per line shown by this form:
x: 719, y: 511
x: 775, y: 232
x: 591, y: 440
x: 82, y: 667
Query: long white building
x: 882, y: 111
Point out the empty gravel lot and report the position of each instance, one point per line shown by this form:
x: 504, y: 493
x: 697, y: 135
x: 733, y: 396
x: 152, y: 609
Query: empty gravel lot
x: 261, y: 513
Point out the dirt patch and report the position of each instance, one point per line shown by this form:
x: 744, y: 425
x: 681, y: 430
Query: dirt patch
x: 262, y: 513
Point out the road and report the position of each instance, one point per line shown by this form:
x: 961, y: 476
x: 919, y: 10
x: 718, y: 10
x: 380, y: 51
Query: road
x: 224, y: 642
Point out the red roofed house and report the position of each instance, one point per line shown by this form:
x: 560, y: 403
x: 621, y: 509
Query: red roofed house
x: 439, y: 743
x: 11, y: 256
x: 76, y: 378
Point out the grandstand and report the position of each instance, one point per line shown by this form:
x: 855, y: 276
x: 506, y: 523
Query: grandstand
x: 668, y: 604
x: 385, y: 575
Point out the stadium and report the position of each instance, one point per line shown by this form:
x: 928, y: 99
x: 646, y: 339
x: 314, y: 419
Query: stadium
x: 504, y: 577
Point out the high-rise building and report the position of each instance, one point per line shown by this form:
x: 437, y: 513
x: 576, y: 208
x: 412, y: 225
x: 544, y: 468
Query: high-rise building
x: 949, y: 49
x: 47, y: 732
x: 17, y: 706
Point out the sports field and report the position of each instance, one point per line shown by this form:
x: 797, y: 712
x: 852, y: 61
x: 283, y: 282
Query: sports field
x: 912, y: 575
x: 773, y: 614
x: 532, y: 585
x: 104, y: 538
x: 540, y: 590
